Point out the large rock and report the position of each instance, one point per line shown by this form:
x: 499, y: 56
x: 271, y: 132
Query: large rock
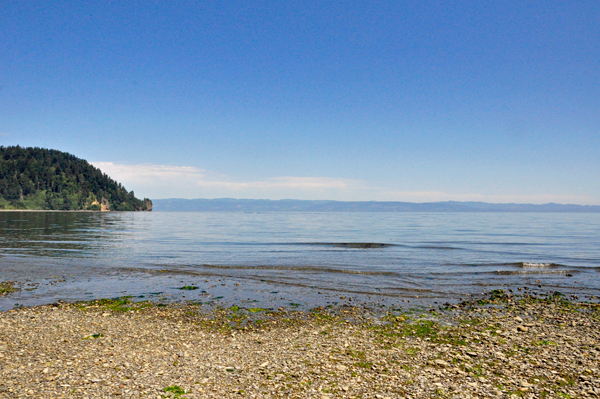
x: 104, y: 205
x: 147, y: 205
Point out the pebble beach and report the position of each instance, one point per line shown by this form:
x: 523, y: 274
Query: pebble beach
x: 497, y: 347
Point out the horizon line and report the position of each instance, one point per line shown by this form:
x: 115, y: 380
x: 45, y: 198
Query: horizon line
x: 375, y: 201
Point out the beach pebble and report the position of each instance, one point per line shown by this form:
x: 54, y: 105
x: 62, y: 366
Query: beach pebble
x: 140, y: 354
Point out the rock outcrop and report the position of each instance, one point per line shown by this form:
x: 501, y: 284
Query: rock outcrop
x: 104, y: 205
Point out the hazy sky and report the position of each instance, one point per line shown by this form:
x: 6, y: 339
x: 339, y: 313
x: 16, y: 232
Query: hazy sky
x: 495, y: 101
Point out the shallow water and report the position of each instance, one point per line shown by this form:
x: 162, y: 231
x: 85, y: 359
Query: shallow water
x: 311, y: 258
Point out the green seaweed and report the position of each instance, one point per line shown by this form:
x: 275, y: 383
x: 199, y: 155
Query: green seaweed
x: 177, y: 391
x: 8, y: 287
x: 93, y: 336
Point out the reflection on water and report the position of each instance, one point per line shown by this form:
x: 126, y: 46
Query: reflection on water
x: 438, y: 255
x: 61, y: 234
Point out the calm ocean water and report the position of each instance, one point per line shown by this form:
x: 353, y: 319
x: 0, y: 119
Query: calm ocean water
x: 310, y: 258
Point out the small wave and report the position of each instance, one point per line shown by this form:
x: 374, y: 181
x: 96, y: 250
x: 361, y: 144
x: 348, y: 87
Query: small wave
x: 436, y: 247
x: 208, y: 269
x: 521, y: 265
x: 360, y: 245
x: 309, y: 269
x: 531, y: 264
x: 529, y: 272
x: 541, y: 265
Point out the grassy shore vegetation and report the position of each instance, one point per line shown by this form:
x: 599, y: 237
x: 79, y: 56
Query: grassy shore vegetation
x: 42, y: 179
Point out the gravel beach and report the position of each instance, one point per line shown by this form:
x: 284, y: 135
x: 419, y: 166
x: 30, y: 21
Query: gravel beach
x: 499, y: 347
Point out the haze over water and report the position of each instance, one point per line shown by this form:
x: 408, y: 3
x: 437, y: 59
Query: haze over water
x: 299, y: 258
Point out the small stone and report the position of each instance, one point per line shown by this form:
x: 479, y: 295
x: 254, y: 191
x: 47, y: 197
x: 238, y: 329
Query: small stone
x: 473, y: 354
x: 522, y: 328
x: 105, y: 314
x: 518, y: 319
x: 441, y: 362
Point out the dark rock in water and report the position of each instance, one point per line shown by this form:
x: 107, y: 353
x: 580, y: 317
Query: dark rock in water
x: 363, y: 245
x: 360, y: 245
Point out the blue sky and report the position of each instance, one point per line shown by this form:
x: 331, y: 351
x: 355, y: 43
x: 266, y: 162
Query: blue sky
x: 494, y: 101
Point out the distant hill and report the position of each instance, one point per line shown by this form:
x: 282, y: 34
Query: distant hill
x: 261, y: 205
x: 38, y: 178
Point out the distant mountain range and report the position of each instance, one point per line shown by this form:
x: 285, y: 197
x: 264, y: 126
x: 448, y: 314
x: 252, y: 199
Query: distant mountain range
x: 262, y: 205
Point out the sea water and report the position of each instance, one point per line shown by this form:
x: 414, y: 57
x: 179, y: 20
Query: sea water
x: 308, y: 259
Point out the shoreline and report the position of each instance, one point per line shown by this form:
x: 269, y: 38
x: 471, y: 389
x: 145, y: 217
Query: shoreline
x: 494, y: 347
x: 58, y: 210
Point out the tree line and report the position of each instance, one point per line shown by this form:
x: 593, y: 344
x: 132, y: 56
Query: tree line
x: 39, y: 178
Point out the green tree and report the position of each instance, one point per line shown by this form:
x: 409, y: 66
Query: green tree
x: 39, y: 178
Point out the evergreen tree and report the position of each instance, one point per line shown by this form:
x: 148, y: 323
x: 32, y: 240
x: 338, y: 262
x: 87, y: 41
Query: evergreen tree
x: 38, y: 178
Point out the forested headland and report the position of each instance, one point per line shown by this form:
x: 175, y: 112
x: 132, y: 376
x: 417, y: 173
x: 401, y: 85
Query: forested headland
x: 43, y: 179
